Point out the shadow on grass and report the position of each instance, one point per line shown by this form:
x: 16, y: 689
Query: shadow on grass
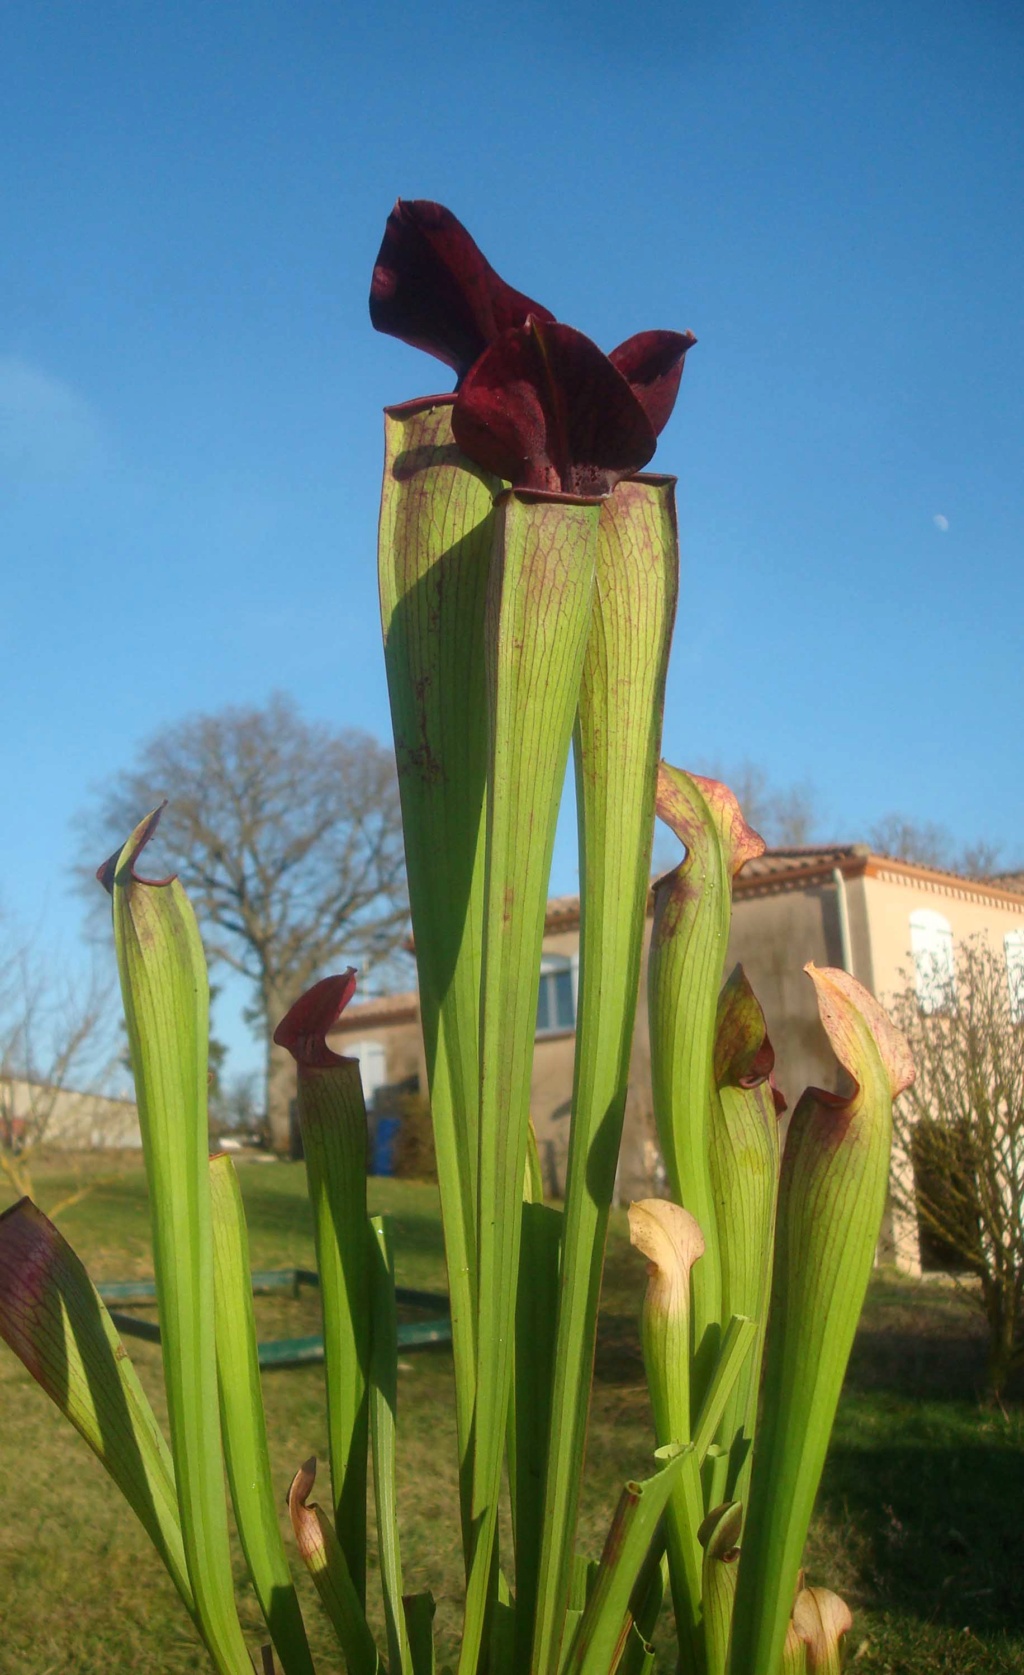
x: 278, y: 1214
x: 619, y: 1358
x: 275, y: 1215
x: 416, y: 1234
x: 950, y: 1367
x: 914, y: 1364
x: 927, y: 1342
x: 919, y: 1511
x: 926, y: 1473
x: 939, y: 1530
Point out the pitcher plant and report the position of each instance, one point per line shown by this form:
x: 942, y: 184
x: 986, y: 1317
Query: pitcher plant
x: 529, y: 571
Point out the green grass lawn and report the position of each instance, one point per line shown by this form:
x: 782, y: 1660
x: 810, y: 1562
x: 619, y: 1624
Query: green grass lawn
x: 919, y: 1522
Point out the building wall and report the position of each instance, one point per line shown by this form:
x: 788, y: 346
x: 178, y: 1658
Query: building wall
x: 551, y: 1083
x: 775, y: 933
x: 402, y: 1041
x: 404, y: 1047
x: 773, y: 937
x: 72, y: 1121
x: 893, y: 895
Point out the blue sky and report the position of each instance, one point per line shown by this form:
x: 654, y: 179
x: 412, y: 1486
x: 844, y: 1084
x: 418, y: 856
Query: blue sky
x: 828, y: 195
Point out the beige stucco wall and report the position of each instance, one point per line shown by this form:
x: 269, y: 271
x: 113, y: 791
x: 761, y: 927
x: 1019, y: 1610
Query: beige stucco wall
x: 892, y: 896
x: 71, y: 1121
x: 402, y: 1042
x: 773, y: 937
x: 775, y: 932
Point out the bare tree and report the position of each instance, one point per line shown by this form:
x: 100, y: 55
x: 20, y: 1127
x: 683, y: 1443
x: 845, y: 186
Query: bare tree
x: 959, y: 1141
x: 56, y: 1052
x: 931, y: 845
x: 287, y: 836
x: 237, y: 1103
x: 909, y: 840
x: 787, y: 816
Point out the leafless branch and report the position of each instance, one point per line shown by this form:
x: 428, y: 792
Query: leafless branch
x: 56, y: 1047
x: 285, y: 833
x: 960, y: 1138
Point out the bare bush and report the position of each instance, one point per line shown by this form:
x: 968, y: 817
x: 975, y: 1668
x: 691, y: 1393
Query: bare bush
x: 960, y: 1138
x: 56, y: 1053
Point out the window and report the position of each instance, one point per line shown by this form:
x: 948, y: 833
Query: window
x: 1013, y: 942
x: 931, y: 944
x: 556, y: 1001
x: 372, y: 1066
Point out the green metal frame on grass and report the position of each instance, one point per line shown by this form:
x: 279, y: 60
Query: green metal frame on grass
x: 285, y: 1352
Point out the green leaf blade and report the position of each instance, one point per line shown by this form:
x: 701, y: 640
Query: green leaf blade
x: 243, y: 1424
x: 436, y: 531
x: 617, y: 744
x: 419, y: 1622
x: 53, y: 1319
x: 670, y: 1239
x: 323, y: 1557
x: 606, y: 1623
x: 692, y: 910
x: 166, y: 1003
x: 719, y: 1534
x: 536, y: 1318
x: 835, y: 1176
x: 743, y: 1159
x: 332, y: 1116
x: 539, y: 604
x: 383, y: 1413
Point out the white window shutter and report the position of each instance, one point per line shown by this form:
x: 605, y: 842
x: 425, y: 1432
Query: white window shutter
x: 931, y: 944
x: 373, y: 1067
x: 1013, y: 944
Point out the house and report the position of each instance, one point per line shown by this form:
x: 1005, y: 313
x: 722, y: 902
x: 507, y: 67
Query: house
x: 842, y: 905
x: 67, y: 1120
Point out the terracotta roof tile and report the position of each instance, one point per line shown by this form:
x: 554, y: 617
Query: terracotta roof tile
x: 377, y: 1009
x: 564, y: 911
x: 785, y: 867
x: 808, y: 855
